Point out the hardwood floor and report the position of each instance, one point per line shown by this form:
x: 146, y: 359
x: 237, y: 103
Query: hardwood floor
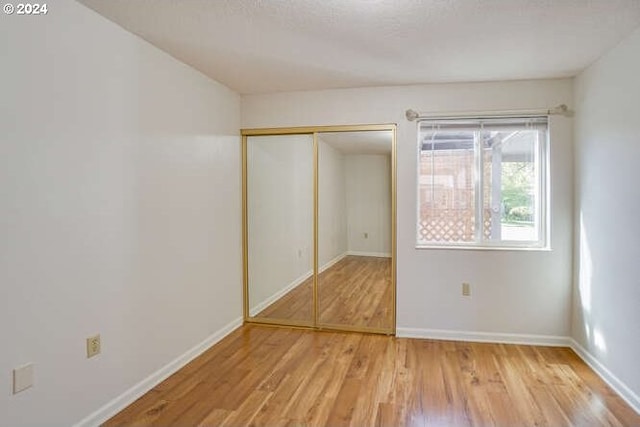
x: 356, y: 291
x: 266, y: 376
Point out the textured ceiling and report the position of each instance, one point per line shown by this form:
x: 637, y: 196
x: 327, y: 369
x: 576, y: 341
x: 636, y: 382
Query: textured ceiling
x: 258, y: 46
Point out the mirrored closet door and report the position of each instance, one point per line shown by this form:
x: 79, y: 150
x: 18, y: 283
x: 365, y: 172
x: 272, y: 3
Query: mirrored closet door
x: 354, y: 229
x: 319, y: 227
x: 279, y: 208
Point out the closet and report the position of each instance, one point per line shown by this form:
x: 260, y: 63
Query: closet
x: 319, y: 227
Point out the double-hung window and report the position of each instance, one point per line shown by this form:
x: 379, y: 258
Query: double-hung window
x: 483, y: 183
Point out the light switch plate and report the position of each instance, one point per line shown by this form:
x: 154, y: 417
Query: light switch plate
x: 22, y: 378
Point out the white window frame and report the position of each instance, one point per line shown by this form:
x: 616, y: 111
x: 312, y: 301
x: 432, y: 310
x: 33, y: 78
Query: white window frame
x: 542, y: 220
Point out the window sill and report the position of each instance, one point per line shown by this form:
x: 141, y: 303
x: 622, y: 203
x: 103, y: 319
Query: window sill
x: 485, y: 248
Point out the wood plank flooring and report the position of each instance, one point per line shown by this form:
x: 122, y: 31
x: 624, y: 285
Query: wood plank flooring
x: 266, y: 376
x: 356, y: 291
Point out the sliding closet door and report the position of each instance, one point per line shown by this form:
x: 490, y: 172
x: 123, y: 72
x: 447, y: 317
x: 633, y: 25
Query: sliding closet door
x: 279, y: 228
x: 355, y: 230
x: 319, y: 227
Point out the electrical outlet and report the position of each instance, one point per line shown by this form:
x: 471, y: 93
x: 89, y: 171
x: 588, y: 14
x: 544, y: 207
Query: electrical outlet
x: 466, y: 289
x: 93, y: 346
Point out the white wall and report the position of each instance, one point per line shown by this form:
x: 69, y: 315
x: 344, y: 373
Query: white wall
x: 521, y: 292
x: 354, y: 199
x: 119, y: 211
x: 332, y: 204
x: 280, y: 215
x: 606, y: 316
x: 368, y: 188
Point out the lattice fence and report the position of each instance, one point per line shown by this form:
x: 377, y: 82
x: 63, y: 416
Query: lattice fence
x: 451, y: 225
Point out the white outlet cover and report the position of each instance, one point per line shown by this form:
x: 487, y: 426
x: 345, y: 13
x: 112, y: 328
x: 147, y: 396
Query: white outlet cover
x: 22, y: 378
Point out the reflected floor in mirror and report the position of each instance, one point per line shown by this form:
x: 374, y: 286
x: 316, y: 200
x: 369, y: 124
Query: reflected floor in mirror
x: 355, y: 291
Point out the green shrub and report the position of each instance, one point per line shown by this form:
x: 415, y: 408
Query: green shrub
x: 521, y: 213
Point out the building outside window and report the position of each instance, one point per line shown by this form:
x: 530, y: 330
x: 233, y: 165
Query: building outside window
x: 483, y: 183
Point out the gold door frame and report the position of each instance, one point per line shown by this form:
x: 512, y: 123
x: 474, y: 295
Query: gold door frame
x: 314, y: 130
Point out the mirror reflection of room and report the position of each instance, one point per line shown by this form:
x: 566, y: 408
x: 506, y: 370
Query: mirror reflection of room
x: 280, y: 226
x: 354, y: 229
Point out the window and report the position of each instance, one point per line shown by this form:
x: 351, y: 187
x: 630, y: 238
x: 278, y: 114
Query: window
x: 482, y: 183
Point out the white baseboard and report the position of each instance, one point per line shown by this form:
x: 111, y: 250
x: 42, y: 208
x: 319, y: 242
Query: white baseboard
x: 614, y: 382
x: 333, y: 262
x: 129, y: 396
x: 371, y: 254
x: 442, y: 334
x: 282, y: 292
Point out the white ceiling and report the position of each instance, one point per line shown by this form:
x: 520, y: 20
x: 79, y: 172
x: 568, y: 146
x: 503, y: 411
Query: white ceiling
x: 261, y: 46
x: 360, y: 142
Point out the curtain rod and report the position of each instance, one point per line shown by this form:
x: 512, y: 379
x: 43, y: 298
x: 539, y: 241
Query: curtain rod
x: 561, y: 110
